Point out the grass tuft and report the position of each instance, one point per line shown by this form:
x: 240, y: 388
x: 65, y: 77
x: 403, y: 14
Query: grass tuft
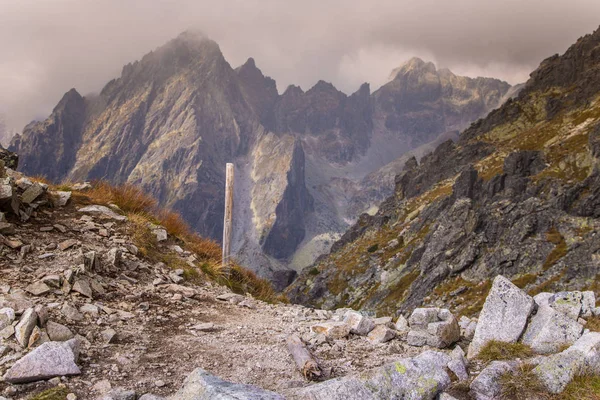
x: 495, y: 350
x: 522, y: 384
x: 585, y: 387
x: 56, y: 393
x: 593, y: 324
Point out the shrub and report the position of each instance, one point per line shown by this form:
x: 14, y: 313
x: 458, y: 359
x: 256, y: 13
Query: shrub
x: 495, y: 350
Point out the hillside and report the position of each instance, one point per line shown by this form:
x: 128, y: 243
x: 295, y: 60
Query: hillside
x: 173, y: 119
x: 516, y: 195
x: 105, y: 296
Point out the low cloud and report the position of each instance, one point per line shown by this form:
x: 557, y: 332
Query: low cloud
x: 49, y: 46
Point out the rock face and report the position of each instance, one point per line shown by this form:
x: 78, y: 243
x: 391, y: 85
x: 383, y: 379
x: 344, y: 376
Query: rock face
x: 507, y: 198
x: 172, y: 120
x: 200, y: 385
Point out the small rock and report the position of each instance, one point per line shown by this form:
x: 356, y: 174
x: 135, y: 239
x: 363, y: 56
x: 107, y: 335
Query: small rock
x: 31, y: 193
x: 53, y: 281
x: 62, y: 198
x: 381, y: 334
x: 487, y: 384
x: 67, y: 244
x: 72, y: 313
x: 38, y: 288
x: 103, y: 211
x: 109, y: 335
x: 359, y: 324
x: 568, y: 303
x: 25, y: 326
x: 208, y: 326
x: 332, y: 330
x: 89, y: 309
x: 58, y: 333
x: 7, y: 316
x: 161, y: 234
x: 83, y: 287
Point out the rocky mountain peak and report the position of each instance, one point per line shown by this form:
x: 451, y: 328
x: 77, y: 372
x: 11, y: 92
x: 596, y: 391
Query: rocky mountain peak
x: 414, y: 66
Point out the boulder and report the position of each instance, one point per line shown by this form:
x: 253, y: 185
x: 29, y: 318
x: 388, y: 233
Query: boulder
x: 504, y: 315
x: 200, y: 385
x: 556, y: 371
x: 433, y: 326
x: 568, y: 303
x: 486, y: 385
x: 51, y: 359
x: 550, y: 330
x: 419, y: 378
x: 359, y: 324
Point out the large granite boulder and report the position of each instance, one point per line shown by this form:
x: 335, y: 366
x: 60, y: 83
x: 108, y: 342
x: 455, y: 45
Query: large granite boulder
x: 556, y: 371
x: 551, y: 330
x: 200, y: 385
x: 504, y: 315
x: 49, y: 360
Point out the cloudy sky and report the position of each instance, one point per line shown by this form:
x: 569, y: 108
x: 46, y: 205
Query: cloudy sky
x: 50, y: 46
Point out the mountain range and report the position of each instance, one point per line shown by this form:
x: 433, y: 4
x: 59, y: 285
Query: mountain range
x: 308, y: 163
x: 517, y: 195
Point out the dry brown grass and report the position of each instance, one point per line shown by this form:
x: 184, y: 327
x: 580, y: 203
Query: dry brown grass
x: 585, y: 387
x: 522, y: 384
x: 593, y: 324
x: 128, y: 197
x: 142, y: 210
x: 495, y: 350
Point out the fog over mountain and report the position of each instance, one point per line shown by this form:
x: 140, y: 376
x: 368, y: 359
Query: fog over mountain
x: 51, y: 46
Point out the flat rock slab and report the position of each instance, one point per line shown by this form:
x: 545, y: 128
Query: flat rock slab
x: 200, y: 385
x: 103, y: 211
x: 503, y: 317
x: 51, y: 359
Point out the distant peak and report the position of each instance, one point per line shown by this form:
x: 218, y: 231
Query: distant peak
x: 193, y: 35
x: 415, y: 64
x: 322, y: 85
x: 250, y: 63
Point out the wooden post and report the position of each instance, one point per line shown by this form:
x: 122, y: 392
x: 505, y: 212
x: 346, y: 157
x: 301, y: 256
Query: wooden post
x: 228, y: 220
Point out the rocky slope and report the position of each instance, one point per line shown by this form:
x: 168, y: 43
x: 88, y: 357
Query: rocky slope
x: 174, y: 118
x: 516, y: 195
x: 86, y: 312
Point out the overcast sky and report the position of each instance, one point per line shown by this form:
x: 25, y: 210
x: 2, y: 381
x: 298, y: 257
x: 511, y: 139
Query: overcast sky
x: 50, y: 46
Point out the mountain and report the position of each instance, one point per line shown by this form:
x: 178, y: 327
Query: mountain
x: 173, y: 119
x: 517, y: 194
